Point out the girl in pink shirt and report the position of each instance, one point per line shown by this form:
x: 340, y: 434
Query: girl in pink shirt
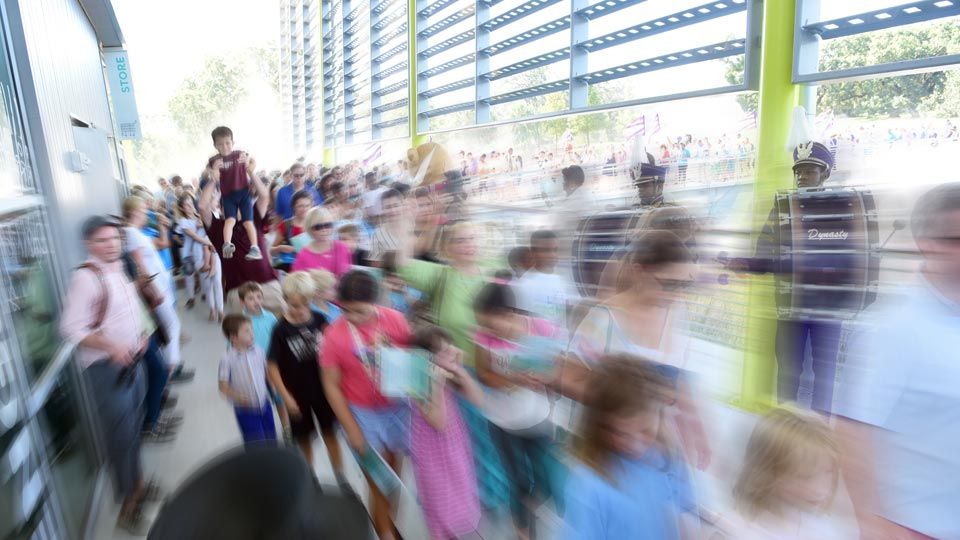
x: 440, y: 444
x: 323, y: 251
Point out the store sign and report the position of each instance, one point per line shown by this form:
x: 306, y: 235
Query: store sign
x: 121, y: 93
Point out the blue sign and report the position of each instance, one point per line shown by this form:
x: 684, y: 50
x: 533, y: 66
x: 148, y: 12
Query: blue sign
x: 121, y: 93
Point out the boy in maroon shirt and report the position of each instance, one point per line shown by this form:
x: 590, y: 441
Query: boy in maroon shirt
x: 234, y: 170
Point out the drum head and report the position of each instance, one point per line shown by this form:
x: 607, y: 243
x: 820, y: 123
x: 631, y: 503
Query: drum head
x: 826, y: 240
x: 599, y: 238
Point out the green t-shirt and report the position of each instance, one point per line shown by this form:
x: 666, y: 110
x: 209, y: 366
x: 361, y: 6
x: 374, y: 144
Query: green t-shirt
x: 456, y: 305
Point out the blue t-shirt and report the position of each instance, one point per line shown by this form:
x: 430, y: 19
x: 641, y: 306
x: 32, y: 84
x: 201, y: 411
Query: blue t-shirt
x: 332, y: 312
x: 642, y: 500
x: 285, y: 199
x: 151, y: 232
x: 262, y: 328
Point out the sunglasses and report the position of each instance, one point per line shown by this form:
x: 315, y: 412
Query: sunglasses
x: 300, y: 175
x: 321, y: 226
x: 673, y: 285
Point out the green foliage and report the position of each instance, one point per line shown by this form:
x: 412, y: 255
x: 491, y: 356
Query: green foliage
x: 936, y: 93
x: 888, y: 96
x: 208, y: 96
x: 749, y: 101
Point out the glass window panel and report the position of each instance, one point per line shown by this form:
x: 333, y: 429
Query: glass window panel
x: 70, y: 449
x: 29, y: 287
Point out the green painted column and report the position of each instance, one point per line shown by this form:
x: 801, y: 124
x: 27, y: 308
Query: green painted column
x: 778, y: 97
x: 415, y: 139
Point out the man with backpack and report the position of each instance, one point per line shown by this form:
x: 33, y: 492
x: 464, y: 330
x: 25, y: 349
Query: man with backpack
x: 104, y: 317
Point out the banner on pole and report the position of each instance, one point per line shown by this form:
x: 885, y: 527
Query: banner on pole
x: 121, y: 93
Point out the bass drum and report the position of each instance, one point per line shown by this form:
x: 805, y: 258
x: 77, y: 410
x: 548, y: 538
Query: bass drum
x: 827, y: 250
x: 598, y: 238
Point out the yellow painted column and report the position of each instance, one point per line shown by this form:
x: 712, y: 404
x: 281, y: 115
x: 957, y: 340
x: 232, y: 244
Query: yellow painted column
x: 415, y: 139
x: 778, y: 97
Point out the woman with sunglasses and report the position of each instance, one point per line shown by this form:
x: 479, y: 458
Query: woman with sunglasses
x: 643, y: 319
x: 323, y: 251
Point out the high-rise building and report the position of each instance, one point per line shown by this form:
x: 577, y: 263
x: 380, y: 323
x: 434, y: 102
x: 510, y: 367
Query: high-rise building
x: 300, y: 81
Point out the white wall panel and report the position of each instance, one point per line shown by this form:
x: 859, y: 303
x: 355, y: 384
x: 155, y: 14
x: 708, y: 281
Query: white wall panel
x: 67, y: 76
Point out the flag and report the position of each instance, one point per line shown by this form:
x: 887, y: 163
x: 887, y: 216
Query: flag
x: 636, y: 128
x: 749, y: 121
x: 372, y: 153
x: 655, y: 128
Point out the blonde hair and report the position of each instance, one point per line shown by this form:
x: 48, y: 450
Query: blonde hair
x: 784, y: 441
x: 447, y: 236
x: 317, y: 215
x: 130, y: 204
x: 322, y: 279
x: 298, y: 284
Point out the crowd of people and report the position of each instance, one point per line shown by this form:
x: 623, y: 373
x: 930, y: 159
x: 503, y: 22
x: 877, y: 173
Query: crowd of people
x: 357, y: 305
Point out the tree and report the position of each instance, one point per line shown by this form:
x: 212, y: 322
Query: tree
x: 207, y: 96
x: 889, y: 96
x: 734, y: 74
x: 265, y: 62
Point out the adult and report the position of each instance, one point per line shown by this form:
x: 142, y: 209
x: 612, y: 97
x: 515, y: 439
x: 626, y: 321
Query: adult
x: 898, y: 397
x: 372, y: 197
x: 645, y: 320
x: 389, y: 234
x: 323, y: 251
x: 812, y: 165
x: 292, y: 233
x: 541, y: 290
x: 298, y: 182
x: 104, y: 318
x: 237, y: 270
x: 149, y: 263
x: 450, y: 291
x: 312, y: 175
x: 426, y: 226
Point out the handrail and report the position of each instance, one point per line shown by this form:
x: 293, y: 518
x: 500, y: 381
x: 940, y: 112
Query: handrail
x: 47, y: 380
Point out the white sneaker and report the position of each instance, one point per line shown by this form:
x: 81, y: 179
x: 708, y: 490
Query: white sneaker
x: 254, y: 254
x: 228, y: 250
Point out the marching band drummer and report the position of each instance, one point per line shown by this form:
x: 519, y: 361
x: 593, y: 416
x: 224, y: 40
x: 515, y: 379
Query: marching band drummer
x: 812, y: 163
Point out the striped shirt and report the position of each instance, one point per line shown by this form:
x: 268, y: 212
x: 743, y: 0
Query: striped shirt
x: 384, y: 240
x: 246, y: 373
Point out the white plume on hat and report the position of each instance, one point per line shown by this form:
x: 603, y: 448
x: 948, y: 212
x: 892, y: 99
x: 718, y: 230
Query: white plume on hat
x: 801, y: 131
x: 638, y: 156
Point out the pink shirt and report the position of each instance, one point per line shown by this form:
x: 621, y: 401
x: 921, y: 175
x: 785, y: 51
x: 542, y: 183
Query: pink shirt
x: 339, y: 350
x: 336, y: 260
x: 122, y: 322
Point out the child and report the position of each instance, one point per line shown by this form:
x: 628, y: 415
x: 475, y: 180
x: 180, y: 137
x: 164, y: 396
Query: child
x: 789, y: 478
x: 234, y: 170
x: 212, y: 275
x: 629, y: 483
x: 516, y: 405
x: 295, y: 373
x: 349, y: 234
x: 440, y: 445
x: 243, y: 380
x: 194, y: 241
x: 350, y: 360
x: 399, y: 297
x: 326, y: 293
x: 251, y: 296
